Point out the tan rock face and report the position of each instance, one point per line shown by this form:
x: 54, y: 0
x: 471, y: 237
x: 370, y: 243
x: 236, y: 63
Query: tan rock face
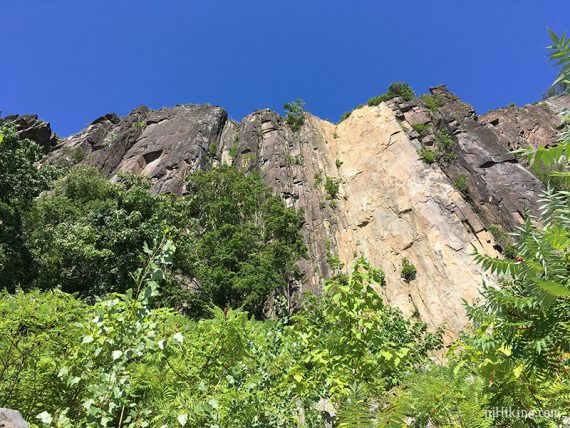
x: 396, y: 206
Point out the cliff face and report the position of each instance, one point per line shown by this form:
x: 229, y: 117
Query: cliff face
x: 389, y: 204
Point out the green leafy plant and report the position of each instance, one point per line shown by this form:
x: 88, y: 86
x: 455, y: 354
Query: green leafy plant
x: 398, y: 89
x: 432, y: 102
x: 421, y: 128
x: 461, y: 184
x: 408, y: 271
x: 338, y: 163
x: 294, y: 116
x: 344, y: 116
x: 427, y: 155
x: 444, y: 144
x: 332, y: 187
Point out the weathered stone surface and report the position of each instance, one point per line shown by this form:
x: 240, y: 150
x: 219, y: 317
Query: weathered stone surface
x: 531, y: 125
x: 499, y: 187
x: 11, y: 419
x: 396, y: 206
x: 29, y: 126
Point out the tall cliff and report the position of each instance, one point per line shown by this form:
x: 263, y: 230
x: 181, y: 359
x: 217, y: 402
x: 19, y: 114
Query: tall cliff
x: 389, y: 204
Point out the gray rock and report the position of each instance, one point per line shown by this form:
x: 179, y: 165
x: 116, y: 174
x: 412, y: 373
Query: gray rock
x: 11, y: 419
x: 531, y: 125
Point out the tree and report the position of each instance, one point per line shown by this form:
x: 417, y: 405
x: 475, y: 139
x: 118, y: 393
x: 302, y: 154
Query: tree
x: 21, y: 179
x: 246, y: 244
x: 87, y: 234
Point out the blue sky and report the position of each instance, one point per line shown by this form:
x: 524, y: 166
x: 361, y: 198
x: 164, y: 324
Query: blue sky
x: 70, y: 61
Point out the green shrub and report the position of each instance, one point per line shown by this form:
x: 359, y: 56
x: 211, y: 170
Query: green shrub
x: 421, y: 128
x: 295, y: 114
x: 432, y: 102
x: 408, y: 271
x: 318, y: 178
x: 427, y: 155
x: 338, y: 163
x: 444, y: 144
x: 461, y: 184
x: 398, y: 89
x: 344, y: 116
x: 332, y: 187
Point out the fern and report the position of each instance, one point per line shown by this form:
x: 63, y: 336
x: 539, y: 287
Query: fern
x: 355, y: 411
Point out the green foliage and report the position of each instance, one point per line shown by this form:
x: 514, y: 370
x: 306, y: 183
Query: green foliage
x: 444, y: 144
x: 421, y: 128
x: 349, y: 335
x: 212, y: 149
x: 338, y: 163
x: 521, y: 339
x: 398, y: 89
x: 560, y: 56
x: 21, y: 180
x: 408, y: 271
x: 344, y: 116
x: 427, y: 155
x: 85, y: 236
x: 461, y: 184
x: 318, y: 178
x: 235, y: 146
x: 432, y: 102
x: 295, y: 114
x: 332, y: 187
x: 441, y: 396
x: 240, y: 253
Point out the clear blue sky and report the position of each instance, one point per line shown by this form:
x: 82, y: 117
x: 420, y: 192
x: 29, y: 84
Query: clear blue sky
x: 70, y: 61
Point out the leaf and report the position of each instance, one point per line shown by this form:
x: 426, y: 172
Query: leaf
x: 178, y: 337
x: 517, y: 371
x: 45, y: 418
x: 506, y: 350
x: 182, y: 419
x: 116, y: 354
x: 87, y: 339
x: 298, y: 378
x: 552, y: 288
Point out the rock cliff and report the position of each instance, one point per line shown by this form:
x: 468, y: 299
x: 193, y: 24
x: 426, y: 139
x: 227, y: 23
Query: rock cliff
x: 361, y: 184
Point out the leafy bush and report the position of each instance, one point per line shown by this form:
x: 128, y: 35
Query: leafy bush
x: 398, y: 89
x: 421, y: 128
x: 408, y: 271
x: 331, y: 187
x: 344, y: 116
x: 461, y: 184
x: 432, y: 102
x: 294, y: 116
x: 427, y: 155
x: 444, y: 144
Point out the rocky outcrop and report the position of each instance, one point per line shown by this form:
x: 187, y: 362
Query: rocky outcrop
x: 531, y: 125
x: 29, y: 126
x: 490, y: 177
x: 361, y: 185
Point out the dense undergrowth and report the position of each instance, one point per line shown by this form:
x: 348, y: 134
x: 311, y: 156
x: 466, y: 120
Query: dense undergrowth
x: 167, y: 324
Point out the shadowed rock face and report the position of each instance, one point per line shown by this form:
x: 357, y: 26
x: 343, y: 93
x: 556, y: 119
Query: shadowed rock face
x: 29, y: 126
x: 499, y: 188
x: 389, y: 205
x: 534, y: 124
